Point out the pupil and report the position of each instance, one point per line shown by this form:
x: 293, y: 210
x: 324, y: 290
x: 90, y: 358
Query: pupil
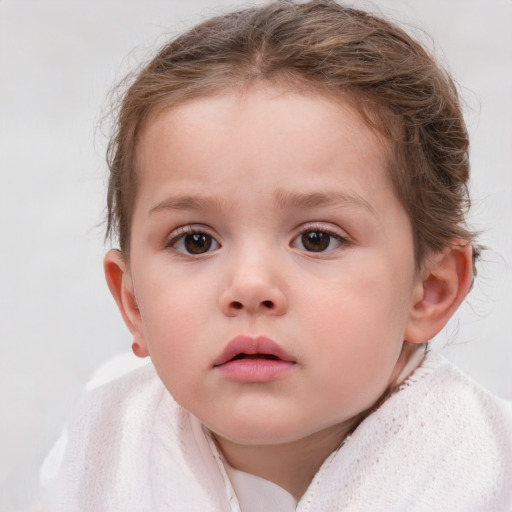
x: 198, y: 243
x: 316, y: 241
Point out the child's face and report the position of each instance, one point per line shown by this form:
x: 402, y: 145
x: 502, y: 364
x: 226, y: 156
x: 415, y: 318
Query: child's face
x: 269, y: 215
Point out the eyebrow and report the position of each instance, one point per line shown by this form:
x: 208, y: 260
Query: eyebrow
x: 191, y: 203
x: 283, y: 200
x: 287, y: 199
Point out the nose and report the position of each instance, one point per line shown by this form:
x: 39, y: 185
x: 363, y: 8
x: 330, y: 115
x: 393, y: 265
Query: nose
x: 253, y: 288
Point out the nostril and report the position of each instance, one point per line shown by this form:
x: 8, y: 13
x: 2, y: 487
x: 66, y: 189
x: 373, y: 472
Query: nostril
x: 237, y: 305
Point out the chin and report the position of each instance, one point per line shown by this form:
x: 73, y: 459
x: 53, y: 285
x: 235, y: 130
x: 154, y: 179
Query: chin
x: 264, y: 432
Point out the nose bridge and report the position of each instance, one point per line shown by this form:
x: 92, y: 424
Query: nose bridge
x: 253, y: 281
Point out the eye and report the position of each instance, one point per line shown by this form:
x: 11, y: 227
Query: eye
x: 189, y: 241
x: 318, y: 240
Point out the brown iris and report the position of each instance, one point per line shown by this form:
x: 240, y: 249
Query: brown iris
x: 315, y: 241
x: 198, y: 243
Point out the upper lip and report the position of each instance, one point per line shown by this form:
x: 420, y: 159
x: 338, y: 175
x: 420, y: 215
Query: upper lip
x: 252, y: 345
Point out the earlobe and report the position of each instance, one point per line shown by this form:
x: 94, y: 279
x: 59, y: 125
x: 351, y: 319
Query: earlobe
x: 121, y: 287
x: 444, y: 284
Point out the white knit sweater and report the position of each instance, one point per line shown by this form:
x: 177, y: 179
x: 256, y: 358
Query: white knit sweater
x: 439, y: 444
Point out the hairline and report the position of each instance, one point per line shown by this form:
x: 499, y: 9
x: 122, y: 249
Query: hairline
x: 376, y: 115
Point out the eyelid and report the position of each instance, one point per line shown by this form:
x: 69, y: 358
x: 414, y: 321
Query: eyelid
x: 188, y: 229
x: 326, y: 227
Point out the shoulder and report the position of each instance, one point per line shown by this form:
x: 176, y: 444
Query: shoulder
x: 452, y: 414
x: 441, y: 440
x: 440, y: 390
x: 459, y: 431
x: 105, y: 406
x: 102, y: 454
x: 120, y: 409
x: 107, y: 401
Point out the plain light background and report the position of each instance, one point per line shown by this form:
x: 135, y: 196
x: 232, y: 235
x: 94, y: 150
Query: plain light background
x: 58, y: 59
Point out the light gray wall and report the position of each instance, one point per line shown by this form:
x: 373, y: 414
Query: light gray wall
x: 57, y: 321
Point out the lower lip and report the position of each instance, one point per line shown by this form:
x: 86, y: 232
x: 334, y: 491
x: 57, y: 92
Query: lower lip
x: 255, y: 370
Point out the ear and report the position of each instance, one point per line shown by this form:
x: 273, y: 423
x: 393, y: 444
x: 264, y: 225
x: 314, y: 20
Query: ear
x: 121, y: 287
x: 444, y: 283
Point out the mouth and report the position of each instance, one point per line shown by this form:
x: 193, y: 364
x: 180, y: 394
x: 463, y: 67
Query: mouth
x: 254, y: 360
x: 249, y: 348
x: 271, y: 357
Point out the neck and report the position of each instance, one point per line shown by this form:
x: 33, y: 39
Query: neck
x: 411, y: 357
x: 291, y: 465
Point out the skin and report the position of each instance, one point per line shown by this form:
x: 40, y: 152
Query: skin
x: 253, y: 172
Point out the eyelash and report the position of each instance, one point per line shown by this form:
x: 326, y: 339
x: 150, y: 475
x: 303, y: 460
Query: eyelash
x: 342, y: 240
x: 180, y: 234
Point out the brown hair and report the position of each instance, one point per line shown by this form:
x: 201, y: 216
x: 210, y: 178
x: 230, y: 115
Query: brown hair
x: 394, y: 83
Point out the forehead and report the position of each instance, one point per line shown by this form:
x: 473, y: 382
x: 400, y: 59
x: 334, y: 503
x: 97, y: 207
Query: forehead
x: 272, y: 128
x: 261, y: 141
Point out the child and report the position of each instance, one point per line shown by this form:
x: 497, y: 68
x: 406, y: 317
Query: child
x: 288, y: 188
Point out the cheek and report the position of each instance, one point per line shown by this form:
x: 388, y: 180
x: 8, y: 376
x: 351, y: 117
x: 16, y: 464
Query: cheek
x: 354, y: 355
x: 359, y: 322
x: 170, y: 313
x: 368, y: 298
x: 176, y: 341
